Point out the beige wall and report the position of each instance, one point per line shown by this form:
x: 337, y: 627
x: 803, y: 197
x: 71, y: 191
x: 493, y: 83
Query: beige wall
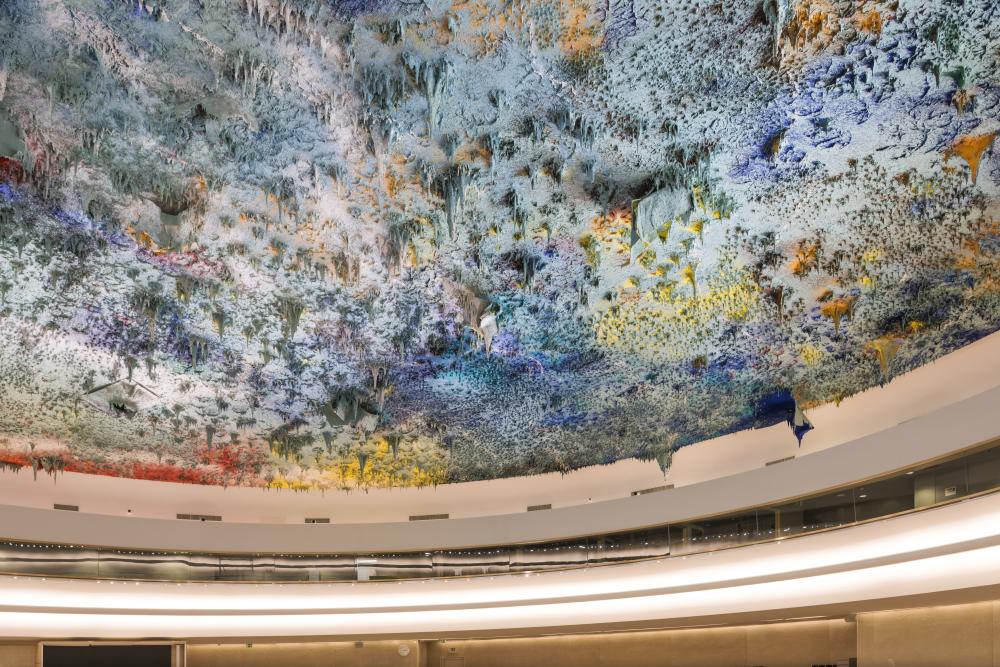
x: 781, y: 645
x: 799, y: 644
x: 17, y: 655
x: 958, y: 636
x: 948, y: 636
x: 371, y: 654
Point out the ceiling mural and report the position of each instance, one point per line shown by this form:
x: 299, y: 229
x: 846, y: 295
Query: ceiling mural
x: 358, y: 243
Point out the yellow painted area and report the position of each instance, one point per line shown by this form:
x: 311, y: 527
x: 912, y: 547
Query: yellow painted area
x: 687, y: 274
x: 872, y: 255
x: 885, y: 349
x: 382, y: 470
x: 663, y: 291
x: 810, y: 354
x: 663, y: 233
x: 697, y: 196
x: 646, y: 258
x: 697, y: 227
x: 665, y: 326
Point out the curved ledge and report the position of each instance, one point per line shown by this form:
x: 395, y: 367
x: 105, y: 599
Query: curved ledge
x: 939, y: 552
x: 960, y: 425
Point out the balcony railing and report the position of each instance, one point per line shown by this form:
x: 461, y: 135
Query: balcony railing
x: 913, y: 490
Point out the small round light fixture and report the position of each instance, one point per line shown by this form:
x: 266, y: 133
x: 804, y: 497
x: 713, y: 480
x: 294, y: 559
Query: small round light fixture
x: 403, y: 650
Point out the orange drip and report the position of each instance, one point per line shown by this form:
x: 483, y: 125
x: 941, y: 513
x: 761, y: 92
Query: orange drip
x: 971, y: 149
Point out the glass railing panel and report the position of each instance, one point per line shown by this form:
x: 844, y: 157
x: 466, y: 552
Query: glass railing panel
x: 984, y: 470
x: 950, y: 481
x: 394, y: 566
x: 554, y: 555
x: 301, y: 567
x: 650, y: 543
x: 766, y: 524
x: 239, y: 568
x: 52, y: 560
x: 884, y: 498
x: 830, y: 510
x: 494, y: 560
x: 717, y: 533
x: 132, y: 564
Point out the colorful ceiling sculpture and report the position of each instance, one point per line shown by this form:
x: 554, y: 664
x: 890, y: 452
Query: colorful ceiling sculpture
x: 342, y: 243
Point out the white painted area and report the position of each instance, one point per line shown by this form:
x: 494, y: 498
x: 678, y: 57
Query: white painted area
x: 951, y: 548
x: 935, y: 410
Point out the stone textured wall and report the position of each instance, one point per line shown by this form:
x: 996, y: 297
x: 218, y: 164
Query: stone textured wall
x: 957, y: 636
x: 780, y: 645
x: 341, y: 654
x: 951, y: 636
x: 17, y: 655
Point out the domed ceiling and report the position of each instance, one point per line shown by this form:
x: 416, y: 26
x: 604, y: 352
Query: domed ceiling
x: 342, y: 243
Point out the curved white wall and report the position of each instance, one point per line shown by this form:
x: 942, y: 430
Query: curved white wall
x: 931, y: 412
x: 940, y: 552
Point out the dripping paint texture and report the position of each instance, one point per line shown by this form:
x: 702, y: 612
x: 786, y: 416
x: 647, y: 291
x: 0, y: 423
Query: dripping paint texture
x: 363, y: 243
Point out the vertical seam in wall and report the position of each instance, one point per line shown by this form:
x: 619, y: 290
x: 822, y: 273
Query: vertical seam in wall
x: 829, y: 642
x: 996, y: 632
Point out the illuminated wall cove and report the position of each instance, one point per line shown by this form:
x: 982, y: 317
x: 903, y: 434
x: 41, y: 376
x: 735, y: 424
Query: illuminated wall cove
x: 358, y: 243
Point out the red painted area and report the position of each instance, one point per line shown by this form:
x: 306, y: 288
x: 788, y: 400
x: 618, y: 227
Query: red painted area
x: 163, y: 472
x: 15, y: 458
x: 221, y: 467
x: 233, y: 458
x: 11, y: 171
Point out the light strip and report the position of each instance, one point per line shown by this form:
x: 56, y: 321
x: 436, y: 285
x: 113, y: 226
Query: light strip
x: 963, y: 570
x: 31, y: 607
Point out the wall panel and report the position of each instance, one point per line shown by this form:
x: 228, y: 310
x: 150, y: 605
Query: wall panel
x: 312, y: 654
x: 17, y: 655
x: 953, y: 636
x: 779, y: 645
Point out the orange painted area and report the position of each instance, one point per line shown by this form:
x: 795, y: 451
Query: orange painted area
x: 581, y: 30
x: 870, y: 22
x: 816, y: 25
x: 837, y: 309
x: 806, y: 258
x: 489, y: 24
x: 971, y: 148
x: 613, y: 228
x: 810, y: 21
